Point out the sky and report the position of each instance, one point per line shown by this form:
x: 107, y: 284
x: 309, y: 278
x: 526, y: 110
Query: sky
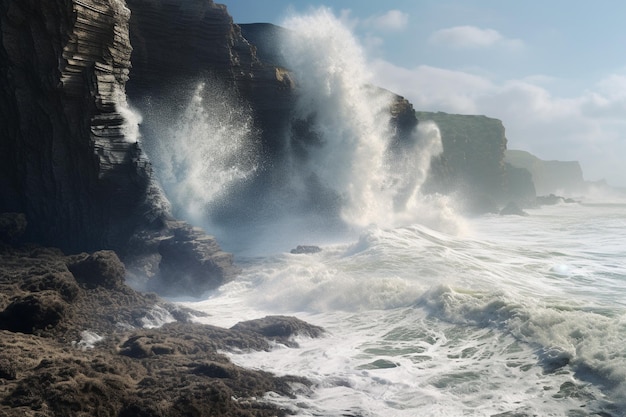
x: 553, y: 71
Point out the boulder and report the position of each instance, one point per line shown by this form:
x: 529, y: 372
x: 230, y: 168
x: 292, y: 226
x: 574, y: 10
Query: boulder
x: 280, y: 328
x: 100, y: 269
x: 512, y: 209
x: 300, y: 249
x: 12, y: 226
x: 33, y: 312
x: 8, y: 369
x: 191, y: 263
x: 62, y: 282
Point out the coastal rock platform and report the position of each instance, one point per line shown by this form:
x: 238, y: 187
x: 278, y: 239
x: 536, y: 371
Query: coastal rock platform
x: 76, y: 340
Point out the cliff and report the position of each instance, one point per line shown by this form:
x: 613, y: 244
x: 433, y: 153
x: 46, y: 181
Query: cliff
x: 473, y: 160
x: 550, y: 177
x: 177, y: 44
x: 69, y: 155
x: 64, y: 154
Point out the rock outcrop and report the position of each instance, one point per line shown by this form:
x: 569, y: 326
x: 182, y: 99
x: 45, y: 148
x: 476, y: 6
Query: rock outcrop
x: 70, y: 159
x: 177, y: 44
x: 473, y: 162
x: 549, y: 176
x: 73, y: 344
x: 512, y: 209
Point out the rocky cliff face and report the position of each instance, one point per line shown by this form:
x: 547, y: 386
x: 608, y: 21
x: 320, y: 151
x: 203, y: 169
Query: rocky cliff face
x: 69, y: 156
x: 179, y: 43
x: 64, y: 154
x: 549, y: 176
x: 473, y: 160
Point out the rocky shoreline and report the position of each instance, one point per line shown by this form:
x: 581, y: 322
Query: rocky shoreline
x: 76, y: 340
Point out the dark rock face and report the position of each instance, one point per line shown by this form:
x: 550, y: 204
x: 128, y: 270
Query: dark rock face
x: 63, y: 152
x: 69, y: 156
x: 520, y: 185
x: 473, y: 152
x: 180, y: 39
x: 191, y: 263
x: 179, y: 43
x: 301, y: 249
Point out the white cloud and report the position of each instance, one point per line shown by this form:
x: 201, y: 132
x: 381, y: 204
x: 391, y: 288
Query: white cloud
x: 589, y: 128
x: 392, y: 21
x: 472, y: 37
x: 348, y: 20
x: 431, y: 88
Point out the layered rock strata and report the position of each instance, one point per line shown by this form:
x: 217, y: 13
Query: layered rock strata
x: 66, y: 162
x: 69, y: 152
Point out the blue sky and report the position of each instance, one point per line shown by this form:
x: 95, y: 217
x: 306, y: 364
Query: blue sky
x: 553, y: 71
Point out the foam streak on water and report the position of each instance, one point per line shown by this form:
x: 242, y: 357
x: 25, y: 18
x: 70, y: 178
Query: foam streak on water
x: 522, y: 315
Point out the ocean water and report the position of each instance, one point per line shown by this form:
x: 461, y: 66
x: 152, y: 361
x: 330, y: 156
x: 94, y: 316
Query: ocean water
x: 426, y: 312
x: 513, y: 316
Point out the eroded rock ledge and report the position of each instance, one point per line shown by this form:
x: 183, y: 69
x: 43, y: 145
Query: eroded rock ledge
x: 73, y: 342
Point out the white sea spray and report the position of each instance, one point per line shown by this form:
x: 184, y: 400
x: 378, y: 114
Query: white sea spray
x: 88, y: 340
x: 156, y: 317
x: 422, y: 321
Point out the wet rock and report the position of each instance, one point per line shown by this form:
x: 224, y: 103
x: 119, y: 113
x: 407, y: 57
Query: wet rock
x: 164, y: 372
x: 62, y: 282
x: 144, y: 346
x: 280, y: 328
x: 301, y: 249
x: 549, y: 200
x: 552, y: 199
x: 100, y: 269
x: 191, y: 263
x: 215, y: 370
x: 34, y: 312
x: 512, y: 209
